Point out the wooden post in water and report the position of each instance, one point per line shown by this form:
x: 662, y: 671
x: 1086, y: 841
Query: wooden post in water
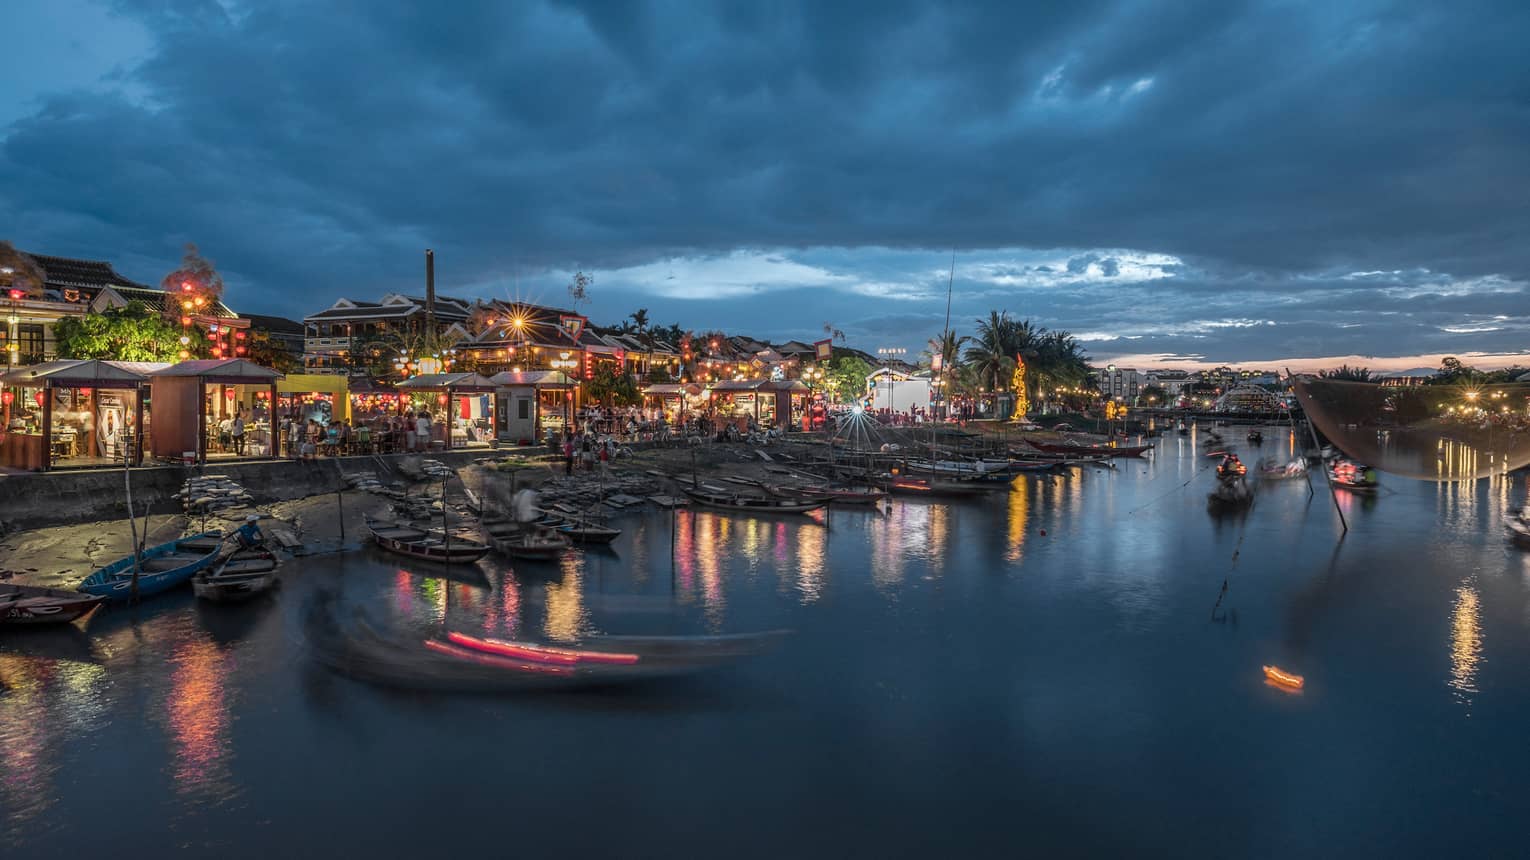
x: 446, y: 533
x: 1334, y: 494
x: 340, y: 513
x: 127, y: 488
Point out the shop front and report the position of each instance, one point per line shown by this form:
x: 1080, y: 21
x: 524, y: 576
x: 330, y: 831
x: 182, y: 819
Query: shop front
x: 783, y: 402
x: 74, y: 413
x: 463, y: 402
x: 207, y: 409
x: 530, y: 406
x: 675, y: 403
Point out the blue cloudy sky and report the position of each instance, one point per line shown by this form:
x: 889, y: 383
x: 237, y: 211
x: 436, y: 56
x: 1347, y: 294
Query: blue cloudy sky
x: 1189, y: 181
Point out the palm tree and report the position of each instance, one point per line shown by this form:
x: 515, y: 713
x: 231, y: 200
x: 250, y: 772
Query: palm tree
x: 992, y: 354
x: 1345, y: 373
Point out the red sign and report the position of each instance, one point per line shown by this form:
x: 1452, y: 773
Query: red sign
x: 573, y: 325
x: 823, y: 349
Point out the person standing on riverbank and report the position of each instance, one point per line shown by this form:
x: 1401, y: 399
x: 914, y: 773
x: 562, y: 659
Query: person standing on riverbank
x: 236, y: 432
x: 568, y: 454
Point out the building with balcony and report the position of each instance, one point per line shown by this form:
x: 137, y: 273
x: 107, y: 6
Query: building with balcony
x: 353, y: 334
x: 73, y: 288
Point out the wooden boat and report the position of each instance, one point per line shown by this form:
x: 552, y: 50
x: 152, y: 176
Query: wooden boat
x: 835, y: 495
x: 538, y: 653
x: 1519, y: 531
x: 1255, y: 437
x: 25, y: 605
x: 241, y: 576
x: 1231, y: 494
x: 1354, y: 477
x: 537, y: 542
x: 580, y: 531
x: 713, y: 498
x: 1073, y: 449
x: 903, y: 485
x: 434, y: 545
x: 1279, y: 472
x: 161, y: 568
x: 1231, y: 467
x: 405, y: 659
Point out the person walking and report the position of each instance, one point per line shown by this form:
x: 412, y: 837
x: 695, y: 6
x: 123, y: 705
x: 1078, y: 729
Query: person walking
x: 568, y: 454
x: 587, y: 454
x: 422, y: 429
x: 236, y: 432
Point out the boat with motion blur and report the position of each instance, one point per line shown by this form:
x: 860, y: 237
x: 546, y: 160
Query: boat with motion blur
x: 428, y: 544
x: 716, y: 497
x: 1074, y: 449
x: 1354, y: 477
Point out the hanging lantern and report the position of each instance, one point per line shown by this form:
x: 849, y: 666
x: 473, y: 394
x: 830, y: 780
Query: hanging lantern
x: 185, y: 354
x: 7, y: 397
x: 441, y: 399
x: 84, y: 392
x: 38, y: 396
x: 228, y: 394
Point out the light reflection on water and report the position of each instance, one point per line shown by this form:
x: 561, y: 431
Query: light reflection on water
x: 1092, y: 641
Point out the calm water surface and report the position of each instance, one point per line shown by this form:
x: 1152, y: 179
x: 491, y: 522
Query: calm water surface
x: 1046, y: 672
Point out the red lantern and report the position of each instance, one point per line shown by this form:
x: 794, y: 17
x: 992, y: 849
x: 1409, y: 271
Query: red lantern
x: 7, y: 397
x: 38, y: 396
x: 84, y: 392
x: 441, y: 399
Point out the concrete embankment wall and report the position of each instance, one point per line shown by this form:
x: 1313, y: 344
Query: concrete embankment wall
x: 59, y: 498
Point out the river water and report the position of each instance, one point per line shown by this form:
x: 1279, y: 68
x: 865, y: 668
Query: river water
x: 1047, y: 673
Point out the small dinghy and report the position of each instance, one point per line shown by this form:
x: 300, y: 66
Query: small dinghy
x: 535, y: 542
x: 754, y: 504
x: 25, y: 605
x: 160, y: 568
x: 431, y: 545
x: 243, y: 575
x: 580, y: 531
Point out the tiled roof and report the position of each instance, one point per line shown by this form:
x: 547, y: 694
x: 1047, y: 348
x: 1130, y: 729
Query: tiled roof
x: 154, y: 300
x: 371, y: 312
x: 274, y: 324
x: 88, y: 274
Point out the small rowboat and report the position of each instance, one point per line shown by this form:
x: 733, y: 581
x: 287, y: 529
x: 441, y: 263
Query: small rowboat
x: 1519, y: 531
x: 1282, y: 678
x: 161, y: 568
x: 540, y: 653
x: 429, y: 545
x: 1353, y: 477
x: 28, y: 605
x: 754, y: 504
x: 835, y: 495
x: 1090, y: 450
x: 537, y: 543
x: 243, y: 575
x: 580, y: 531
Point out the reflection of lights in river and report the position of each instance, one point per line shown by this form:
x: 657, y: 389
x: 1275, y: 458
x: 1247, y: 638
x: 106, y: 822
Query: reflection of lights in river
x: 712, y: 542
x: 812, y: 540
x: 23, y: 738
x: 1019, y: 507
x: 1465, y: 643
x: 198, y: 716
x: 566, y: 615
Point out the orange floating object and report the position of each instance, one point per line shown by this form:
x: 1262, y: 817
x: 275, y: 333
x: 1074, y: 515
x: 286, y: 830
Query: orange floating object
x: 539, y: 653
x: 1283, y: 678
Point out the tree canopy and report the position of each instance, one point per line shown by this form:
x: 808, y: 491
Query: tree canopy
x: 131, y: 333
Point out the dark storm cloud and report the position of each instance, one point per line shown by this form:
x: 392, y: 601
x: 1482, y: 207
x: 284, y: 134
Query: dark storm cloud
x: 1268, y: 149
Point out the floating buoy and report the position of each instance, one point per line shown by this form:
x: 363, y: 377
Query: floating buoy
x: 1282, y: 678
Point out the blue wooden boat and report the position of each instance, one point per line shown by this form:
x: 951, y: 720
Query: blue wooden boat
x: 161, y: 568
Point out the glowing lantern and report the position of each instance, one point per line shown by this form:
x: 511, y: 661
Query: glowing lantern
x: 7, y: 397
x: 185, y: 340
x: 228, y: 394
x: 85, y: 392
x: 218, y: 351
x: 239, y: 350
x: 185, y: 320
x: 16, y: 295
x: 1284, y: 679
x: 185, y: 286
x: 185, y: 354
x: 239, y: 335
x: 38, y: 396
x: 186, y: 305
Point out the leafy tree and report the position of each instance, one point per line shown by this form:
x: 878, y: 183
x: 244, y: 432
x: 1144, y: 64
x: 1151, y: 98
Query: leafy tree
x: 610, y: 388
x: 196, y: 283
x: 268, y: 353
x: 24, y: 273
x: 1345, y: 373
x: 131, y: 333
x: 847, y: 378
x: 579, y: 288
x: 1153, y: 395
x: 1453, y: 372
x: 658, y: 374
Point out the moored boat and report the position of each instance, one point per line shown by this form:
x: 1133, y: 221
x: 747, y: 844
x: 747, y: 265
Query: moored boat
x: 430, y: 545
x: 835, y: 495
x: 160, y: 568
x: 1074, y: 449
x: 532, y: 541
x: 754, y: 504
x: 1352, y: 476
x: 26, y: 605
x: 243, y: 575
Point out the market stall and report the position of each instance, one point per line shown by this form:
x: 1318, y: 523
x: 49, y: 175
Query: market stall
x: 462, y: 401
x: 532, y: 404
x: 200, y: 404
x: 673, y: 402
x: 74, y: 412
x: 783, y: 402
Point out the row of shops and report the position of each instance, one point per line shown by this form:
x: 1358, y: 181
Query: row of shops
x: 93, y: 413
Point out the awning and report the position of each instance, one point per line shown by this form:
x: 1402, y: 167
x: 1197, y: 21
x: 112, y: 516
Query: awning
x: 87, y: 373
x: 535, y: 378
x: 795, y: 386
x: 448, y: 382
x: 738, y: 384
x: 229, y: 371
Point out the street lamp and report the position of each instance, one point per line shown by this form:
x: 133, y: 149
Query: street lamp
x: 13, y: 318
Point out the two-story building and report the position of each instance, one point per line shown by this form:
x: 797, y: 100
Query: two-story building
x: 381, y: 329
x: 72, y: 288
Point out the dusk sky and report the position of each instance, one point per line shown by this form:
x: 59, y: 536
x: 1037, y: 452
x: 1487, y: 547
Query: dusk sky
x: 1173, y: 182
